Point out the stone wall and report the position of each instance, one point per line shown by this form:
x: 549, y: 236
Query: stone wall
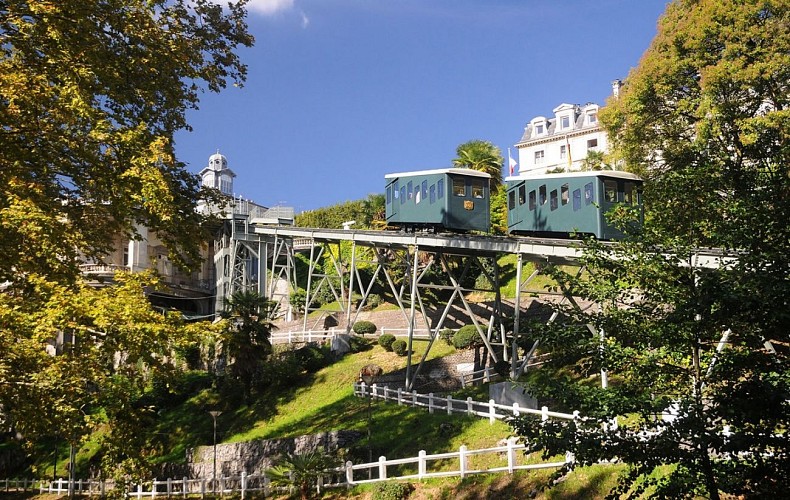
x: 253, y: 456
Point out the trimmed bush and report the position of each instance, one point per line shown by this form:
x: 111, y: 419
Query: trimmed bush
x: 313, y: 357
x: 364, y: 327
x: 446, y: 334
x: 391, y: 491
x: 400, y: 347
x: 466, y: 337
x: 386, y: 340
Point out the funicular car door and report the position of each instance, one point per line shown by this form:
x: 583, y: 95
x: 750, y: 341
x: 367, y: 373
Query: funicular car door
x: 516, y: 204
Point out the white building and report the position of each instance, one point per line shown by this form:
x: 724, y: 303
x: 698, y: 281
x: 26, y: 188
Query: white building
x: 562, y: 142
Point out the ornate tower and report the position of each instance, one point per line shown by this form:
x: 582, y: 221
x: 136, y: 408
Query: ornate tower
x: 217, y: 175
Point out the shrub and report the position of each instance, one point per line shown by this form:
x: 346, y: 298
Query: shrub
x: 364, y: 327
x: 400, y: 347
x: 313, y: 357
x: 466, y: 337
x: 386, y: 340
x: 391, y: 491
x: 358, y: 344
x: 447, y: 335
x: 374, y: 300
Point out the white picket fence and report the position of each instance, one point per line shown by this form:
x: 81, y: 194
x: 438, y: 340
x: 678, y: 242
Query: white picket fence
x: 491, y: 410
x: 240, y: 484
x: 510, y: 456
x: 301, y: 336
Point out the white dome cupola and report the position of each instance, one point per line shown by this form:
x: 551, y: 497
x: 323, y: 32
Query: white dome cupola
x: 217, y: 175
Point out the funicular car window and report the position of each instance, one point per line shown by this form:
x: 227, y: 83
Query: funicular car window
x: 410, y: 189
x: 459, y: 186
x: 522, y: 194
x: 610, y: 191
x: 402, y: 195
x: 532, y: 200
x: 588, y: 193
x: 477, y: 188
x: 389, y: 195
x: 424, y: 189
x: 511, y: 200
x: 564, y: 194
x: 629, y: 193
x: 440, y: 188
x: 542, y: 191
x: 553, y: 201
x: 577, y: 200
x: 432, y: 190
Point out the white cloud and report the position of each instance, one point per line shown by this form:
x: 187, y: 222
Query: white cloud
x: 270, y: 7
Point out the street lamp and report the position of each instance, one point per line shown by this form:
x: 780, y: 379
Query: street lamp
x: 214, y: 414
x: 369, y: 374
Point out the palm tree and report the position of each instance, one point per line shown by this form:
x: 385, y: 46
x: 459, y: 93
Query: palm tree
x: 301, y: 471
x: 482, y: 156
x: 246, y: 342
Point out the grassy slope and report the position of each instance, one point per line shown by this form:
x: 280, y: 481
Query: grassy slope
x: 326, y: 402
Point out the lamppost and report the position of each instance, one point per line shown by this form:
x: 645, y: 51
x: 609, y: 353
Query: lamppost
x: 214, y: 414
x: 369, y: 374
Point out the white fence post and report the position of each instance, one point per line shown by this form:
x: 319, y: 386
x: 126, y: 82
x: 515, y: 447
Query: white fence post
x: 544, y: 413
x: 400, y: 396
x: 243, y: 484
x: 382, y: 467
x: 516, y: 408
x: 349, y: 472
x: 469, y: 405
x: 449, y: 405
x: 421, y: 466
x: 185, y: 488
x: 430, y: 402
x: 491, y: 411
x: 462, y: 460
x: 511, y: 454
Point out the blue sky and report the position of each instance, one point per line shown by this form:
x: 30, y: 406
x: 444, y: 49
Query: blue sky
x: 342, y: 92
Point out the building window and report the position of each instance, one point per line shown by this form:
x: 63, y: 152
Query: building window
x: 565, y: 122
x: 539, y: 156
x: 539, y: 129
x: 592, y: 118
x: 564, y: 194
x: 563, y: 152
x: 459, y: 187
x: 592, y: 143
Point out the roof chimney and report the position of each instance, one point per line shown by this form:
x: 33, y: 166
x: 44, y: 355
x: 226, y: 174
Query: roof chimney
x: 616, y: 88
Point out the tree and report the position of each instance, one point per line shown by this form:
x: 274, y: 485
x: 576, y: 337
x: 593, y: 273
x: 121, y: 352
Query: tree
x: 482, y: 156
x: 704, y: 118
x: 91, y: 94
x: 246, y: 342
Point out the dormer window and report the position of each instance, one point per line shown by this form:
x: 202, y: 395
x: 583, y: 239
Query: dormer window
x: 592, y: 118
x: 539, y: 129
x: 565, y: 122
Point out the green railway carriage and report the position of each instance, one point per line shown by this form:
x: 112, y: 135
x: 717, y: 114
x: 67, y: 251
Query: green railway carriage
x: 452, y: 199
x: 556, y: 205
